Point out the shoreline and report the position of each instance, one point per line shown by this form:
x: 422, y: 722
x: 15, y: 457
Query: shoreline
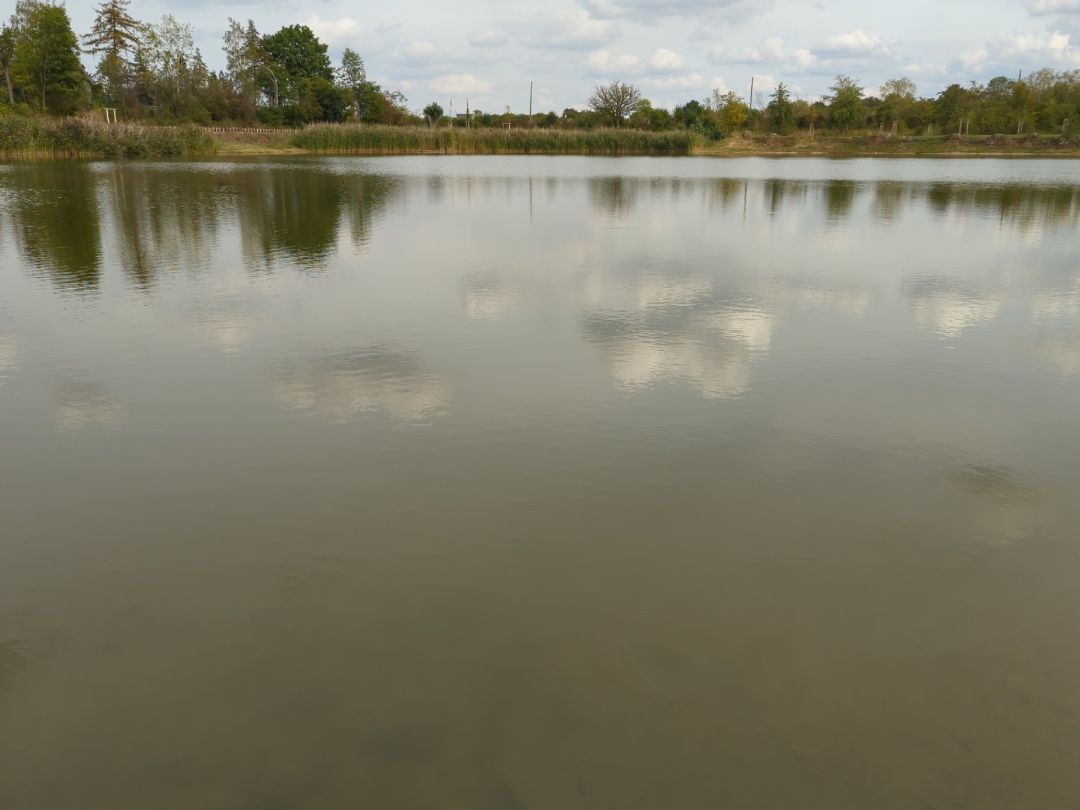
x: 46, y: 139
x: 465, y: 142
x: 292, y: 151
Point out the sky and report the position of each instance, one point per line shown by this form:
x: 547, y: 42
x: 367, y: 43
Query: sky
x: 487, y: 51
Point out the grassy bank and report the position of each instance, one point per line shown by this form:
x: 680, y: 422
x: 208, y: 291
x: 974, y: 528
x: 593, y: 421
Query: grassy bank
x: 383, y: 140
x: 28, y: 137
x: 882, y: 146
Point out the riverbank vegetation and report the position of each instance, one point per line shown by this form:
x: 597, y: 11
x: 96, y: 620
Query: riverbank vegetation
x: 388, y: 140
x: 26, y: 136
x: 151, y: 79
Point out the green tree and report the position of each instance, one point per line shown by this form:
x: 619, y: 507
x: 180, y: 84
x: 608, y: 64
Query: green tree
x: 433, y: 112
x: 246, y: 61
x: 899, y: 88
x: 691, y: 115
x: 646, y: 116
x: 7, y: 56
x: 295, y: 54
x: 953, y: 105
x: 115, y: 35
x: 898, y: 102
x: 46, y: 62
x: 352, y: 75
x: 731, y: 109
x: 846, y: 108
x: 781, y: 112
x: 20, y: 20
x: 615, y: 101
x: 172, y: 72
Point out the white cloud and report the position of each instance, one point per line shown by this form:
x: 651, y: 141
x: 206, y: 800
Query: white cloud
x: 690, y: 81
x: 773, y: 49
x: 924, y: 69
x: 331, y: 31
x: 1053, y: 6
x: 973, y: 59
x: 488, y: 38
x: 569, y: 29
x: 653, y: 10
x: 416, y: 51
x: 805, y: 59
x: 605, y: 9
x: 1054, y: 48
x: 605, y: 63
x: 667, y: 61
x: 857, y: 43
x: 764, y: 84
x: 459, y: 84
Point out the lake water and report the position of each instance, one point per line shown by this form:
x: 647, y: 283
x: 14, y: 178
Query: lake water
x: 540, y: 483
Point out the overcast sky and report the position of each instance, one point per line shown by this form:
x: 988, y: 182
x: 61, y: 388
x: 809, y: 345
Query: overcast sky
x: 675, y: 50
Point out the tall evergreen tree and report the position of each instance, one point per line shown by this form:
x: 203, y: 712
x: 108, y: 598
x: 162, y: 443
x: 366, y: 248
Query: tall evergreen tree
x: 115, y: 35
x: 46, y: 61
x: 781, y: 112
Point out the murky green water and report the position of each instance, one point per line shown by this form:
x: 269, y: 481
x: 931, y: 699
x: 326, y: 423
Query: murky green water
x: 540, y: 483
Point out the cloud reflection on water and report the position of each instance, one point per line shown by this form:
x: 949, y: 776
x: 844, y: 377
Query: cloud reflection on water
x: 8, y: 356
x: 489, y: 296
x: 657, y: 328
x: 82, y: 404
x: 948, y: 307
x: 339, y: 387
x: 1006, y: 507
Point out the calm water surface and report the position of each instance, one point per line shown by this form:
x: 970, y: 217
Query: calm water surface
x: 540, y: 483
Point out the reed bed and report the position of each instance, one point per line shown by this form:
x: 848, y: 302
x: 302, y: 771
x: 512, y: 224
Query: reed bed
x: 24, y: 136
x: 359, y: 139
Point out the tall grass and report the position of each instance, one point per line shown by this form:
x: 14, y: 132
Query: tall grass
x: 362, y: 139
x: 28, y: 136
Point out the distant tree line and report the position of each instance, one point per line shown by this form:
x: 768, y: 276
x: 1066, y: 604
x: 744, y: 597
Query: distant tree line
x: 1044, y: 101
x: 153, y: 71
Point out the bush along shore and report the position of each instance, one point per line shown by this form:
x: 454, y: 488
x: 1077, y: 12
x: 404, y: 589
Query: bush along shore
x: 876, y: 145
x: 33, y: 137
x: 389, y: 140
x: 36, y: 137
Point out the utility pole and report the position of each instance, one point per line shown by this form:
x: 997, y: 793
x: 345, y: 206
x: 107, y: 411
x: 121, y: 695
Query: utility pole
x: 751, y: 94
x: 530, y: 100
